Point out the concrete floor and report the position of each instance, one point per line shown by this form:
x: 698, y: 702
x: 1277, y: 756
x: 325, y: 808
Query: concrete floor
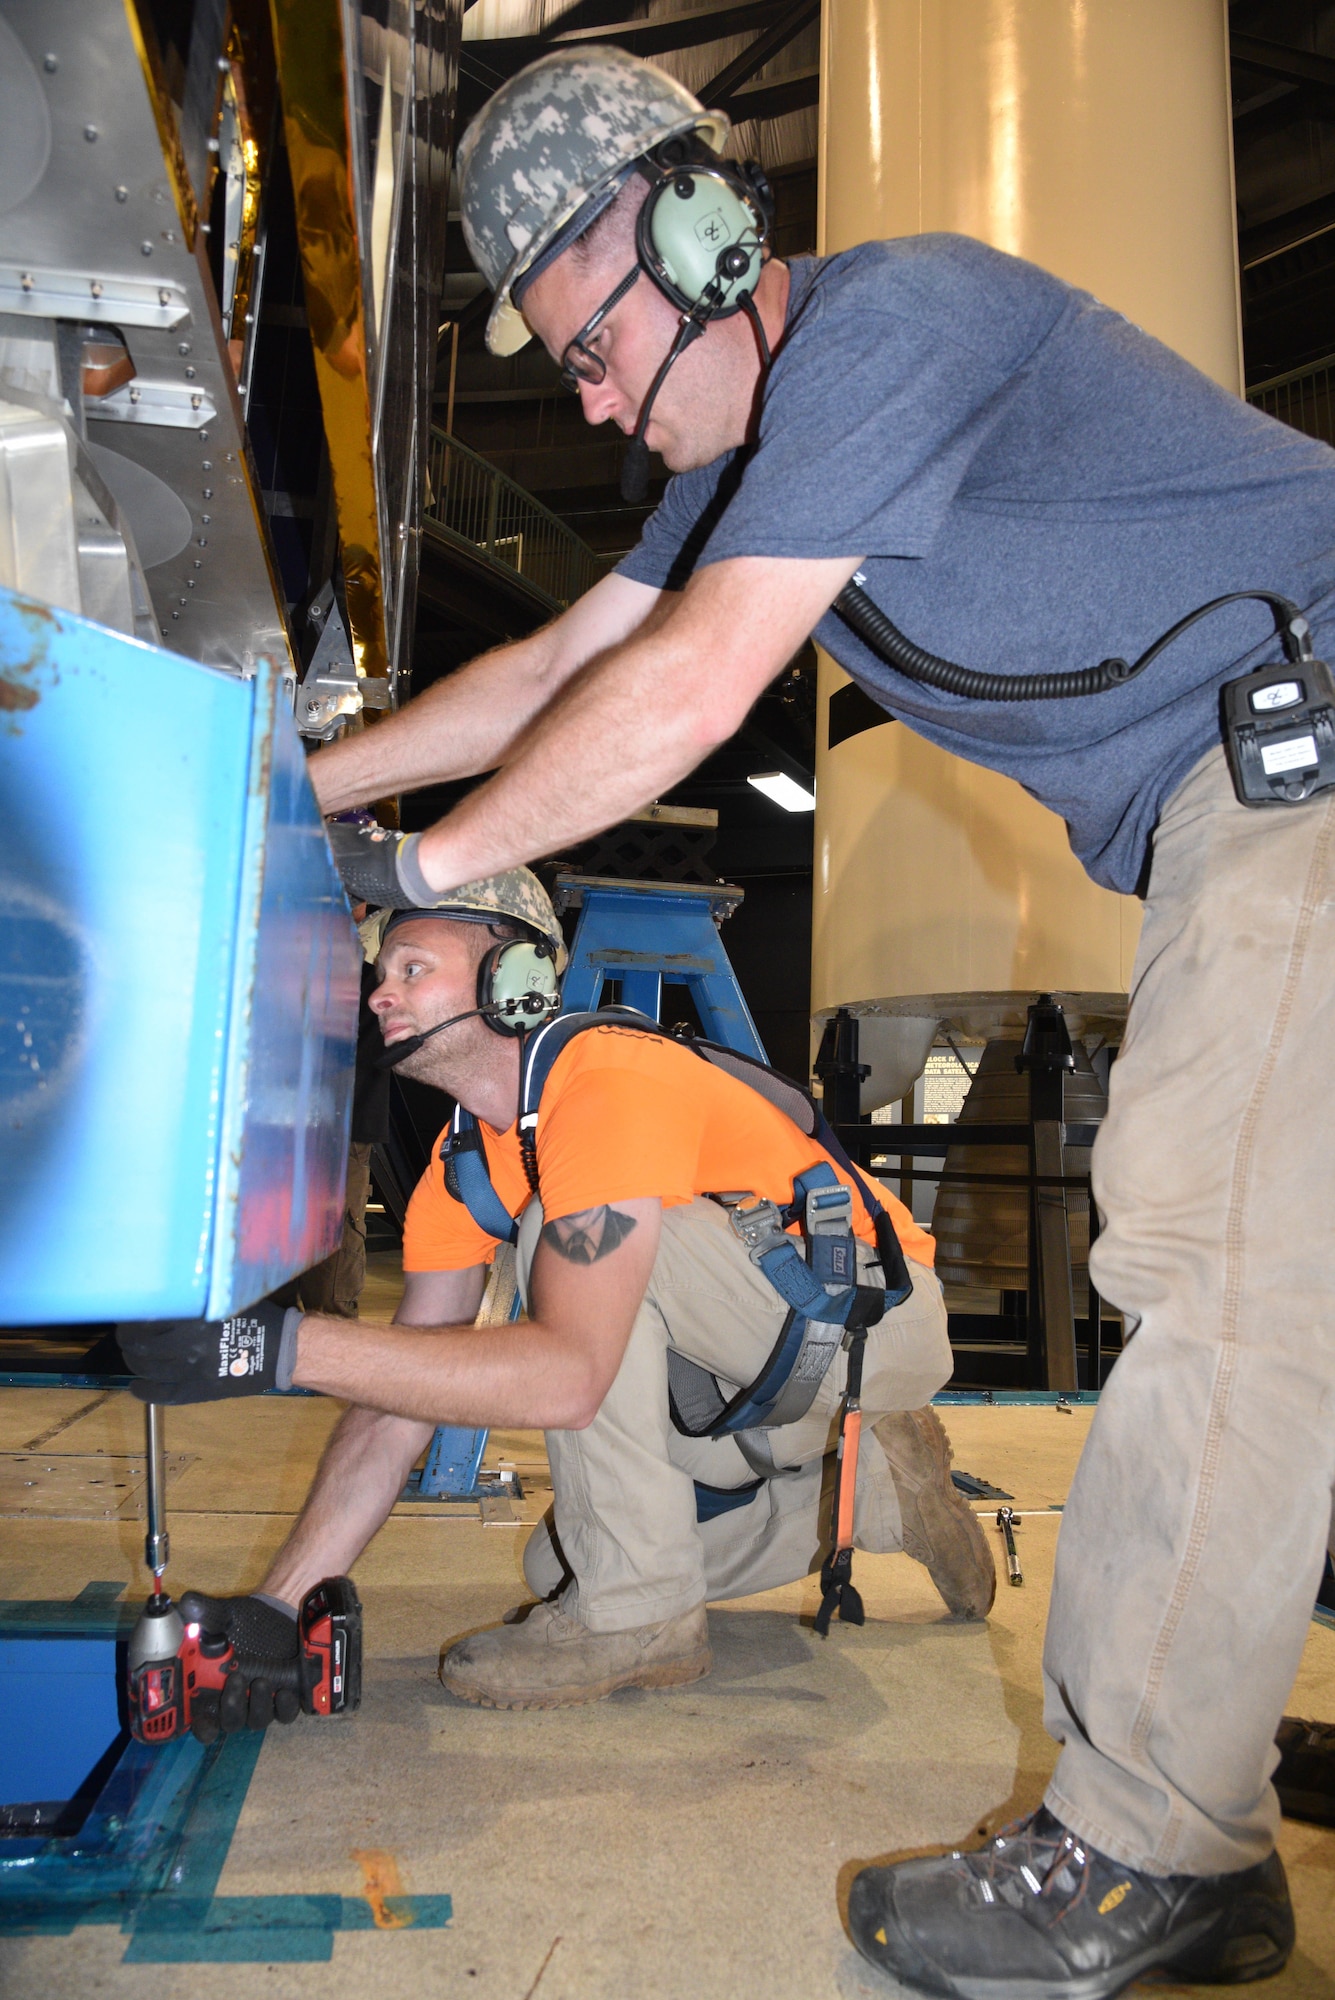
x: 685, y: 1845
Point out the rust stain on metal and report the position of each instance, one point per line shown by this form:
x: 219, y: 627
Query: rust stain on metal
x: 13, y: 697
x: 381, y: 1881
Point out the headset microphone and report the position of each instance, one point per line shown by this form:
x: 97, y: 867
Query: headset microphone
x: 399, y: 1052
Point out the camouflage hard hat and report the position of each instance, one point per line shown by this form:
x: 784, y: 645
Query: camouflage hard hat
x: 515, y: 897
x: 556, y: 141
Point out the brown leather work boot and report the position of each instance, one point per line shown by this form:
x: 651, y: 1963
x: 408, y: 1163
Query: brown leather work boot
x: 941, y: 1530
x: 552, y: 1661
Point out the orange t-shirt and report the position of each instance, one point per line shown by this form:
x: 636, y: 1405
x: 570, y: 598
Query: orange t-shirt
x: 625, y: 1114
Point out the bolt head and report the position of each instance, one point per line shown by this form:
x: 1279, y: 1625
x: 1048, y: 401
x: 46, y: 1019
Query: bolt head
x: 145, y: 249
x: 50, y: 64
x: 122, y: 194
x: 90, y: 134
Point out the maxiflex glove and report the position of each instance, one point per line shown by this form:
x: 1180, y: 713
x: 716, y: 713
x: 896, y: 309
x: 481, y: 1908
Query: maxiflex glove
x: 203, y: 1360
x: 265, y: 1681
x: 379, y: 866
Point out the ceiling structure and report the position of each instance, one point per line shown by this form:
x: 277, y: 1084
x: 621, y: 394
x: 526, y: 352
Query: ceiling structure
x: 1283, y: 55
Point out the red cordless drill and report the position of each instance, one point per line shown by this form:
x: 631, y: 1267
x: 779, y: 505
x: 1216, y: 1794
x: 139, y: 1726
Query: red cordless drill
x: 177, y: 1663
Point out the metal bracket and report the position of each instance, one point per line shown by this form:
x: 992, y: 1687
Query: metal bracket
x: 76, y: 295
x: 178, y: 405
x: 331, y: 688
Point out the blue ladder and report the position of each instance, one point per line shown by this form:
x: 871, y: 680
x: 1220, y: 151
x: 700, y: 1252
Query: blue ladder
x: 645, y: 935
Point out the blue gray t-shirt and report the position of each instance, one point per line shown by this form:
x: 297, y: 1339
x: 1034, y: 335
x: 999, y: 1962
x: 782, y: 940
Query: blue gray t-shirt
x: 1036, y: 484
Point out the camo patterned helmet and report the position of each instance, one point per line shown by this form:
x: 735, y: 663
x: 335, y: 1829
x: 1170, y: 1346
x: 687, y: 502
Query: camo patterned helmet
x: 516, y: 897
x: 554, y: 142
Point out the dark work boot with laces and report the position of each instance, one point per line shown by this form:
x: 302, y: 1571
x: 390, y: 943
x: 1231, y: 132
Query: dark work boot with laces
x: 1038, y: 1915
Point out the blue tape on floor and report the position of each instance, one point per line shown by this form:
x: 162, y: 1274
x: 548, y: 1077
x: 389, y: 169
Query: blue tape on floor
x: 152, y: 1850
x: 234, y: 1930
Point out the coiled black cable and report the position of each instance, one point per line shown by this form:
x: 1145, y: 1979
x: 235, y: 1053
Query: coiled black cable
x: 867, y: 620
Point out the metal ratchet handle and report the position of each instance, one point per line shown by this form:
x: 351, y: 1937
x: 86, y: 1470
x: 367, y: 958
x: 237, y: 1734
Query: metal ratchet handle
x: 1006, y: 1523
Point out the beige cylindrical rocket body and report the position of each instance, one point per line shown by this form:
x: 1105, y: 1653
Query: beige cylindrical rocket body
x: 1093, y: 137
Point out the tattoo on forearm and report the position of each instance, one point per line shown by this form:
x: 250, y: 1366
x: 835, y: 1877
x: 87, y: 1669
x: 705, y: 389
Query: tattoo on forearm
x: 589, y: 1235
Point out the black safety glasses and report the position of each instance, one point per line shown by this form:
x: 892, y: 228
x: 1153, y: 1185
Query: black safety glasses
x: 579, y: 363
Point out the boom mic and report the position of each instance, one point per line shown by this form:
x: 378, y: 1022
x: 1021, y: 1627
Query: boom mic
x: 400, y: 1051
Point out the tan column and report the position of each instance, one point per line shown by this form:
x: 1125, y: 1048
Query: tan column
x: 1092, y: 136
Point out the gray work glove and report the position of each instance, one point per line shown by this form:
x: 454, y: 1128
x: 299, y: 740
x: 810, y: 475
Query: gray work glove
x: 204, y: 1360
x: 379, y: 866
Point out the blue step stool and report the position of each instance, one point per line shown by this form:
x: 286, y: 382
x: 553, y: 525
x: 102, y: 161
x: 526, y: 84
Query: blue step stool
x: 645, y: 935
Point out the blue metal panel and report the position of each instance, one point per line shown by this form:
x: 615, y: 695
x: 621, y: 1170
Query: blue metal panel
x: 296, y: 988
x: 159, y: 978
x: 58, y: 1715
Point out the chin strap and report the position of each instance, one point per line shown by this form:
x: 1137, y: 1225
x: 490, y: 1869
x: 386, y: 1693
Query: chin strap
x: 635, y: 465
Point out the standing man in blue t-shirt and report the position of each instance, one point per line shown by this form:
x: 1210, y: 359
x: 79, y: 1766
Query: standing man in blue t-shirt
x: 1022, y: 481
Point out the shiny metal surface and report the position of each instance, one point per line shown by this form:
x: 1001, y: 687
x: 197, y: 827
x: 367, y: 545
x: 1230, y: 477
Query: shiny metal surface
x: 157, y: 1542
x: 179, y: 989
x: 108, y: 234
x: 1092, y: 136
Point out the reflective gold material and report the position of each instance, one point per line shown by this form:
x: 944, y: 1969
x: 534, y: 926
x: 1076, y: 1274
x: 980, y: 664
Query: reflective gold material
x: 312, y: 69
x: 165, y: 117
x: 249, y: 87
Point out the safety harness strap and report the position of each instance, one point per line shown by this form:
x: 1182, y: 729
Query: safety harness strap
x: 464, y: 1158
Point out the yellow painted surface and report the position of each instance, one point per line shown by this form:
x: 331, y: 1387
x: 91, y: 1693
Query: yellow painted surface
x: 1093, y: 137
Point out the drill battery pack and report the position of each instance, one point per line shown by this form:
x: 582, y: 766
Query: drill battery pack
x: 171, y: 1664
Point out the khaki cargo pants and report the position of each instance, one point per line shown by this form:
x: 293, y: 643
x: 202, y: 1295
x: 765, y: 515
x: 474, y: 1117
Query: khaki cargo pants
x: 625, y: 1507
x: 1192, y: 1543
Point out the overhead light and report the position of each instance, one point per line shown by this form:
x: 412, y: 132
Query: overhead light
x: 784, y: 791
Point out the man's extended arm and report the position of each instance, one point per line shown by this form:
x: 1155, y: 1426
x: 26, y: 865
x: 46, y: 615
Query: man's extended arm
x: 550, y: 1372
x: 639, y: 719
x: 471, y: 721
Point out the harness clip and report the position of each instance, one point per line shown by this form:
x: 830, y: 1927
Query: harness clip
x: 759, y: 1228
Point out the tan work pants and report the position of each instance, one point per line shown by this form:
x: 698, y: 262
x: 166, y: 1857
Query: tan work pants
x: 625, y: 1508
x: 1191, y: 1546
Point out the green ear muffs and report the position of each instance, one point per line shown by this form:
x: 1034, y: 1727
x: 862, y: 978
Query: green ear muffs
x: 518, y: 986
x: 700, y: 235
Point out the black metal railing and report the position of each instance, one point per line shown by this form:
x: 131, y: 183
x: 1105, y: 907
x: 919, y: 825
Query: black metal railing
x: 471, y: 503
x: 1038, y: 1336
x: 1304, y: 399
